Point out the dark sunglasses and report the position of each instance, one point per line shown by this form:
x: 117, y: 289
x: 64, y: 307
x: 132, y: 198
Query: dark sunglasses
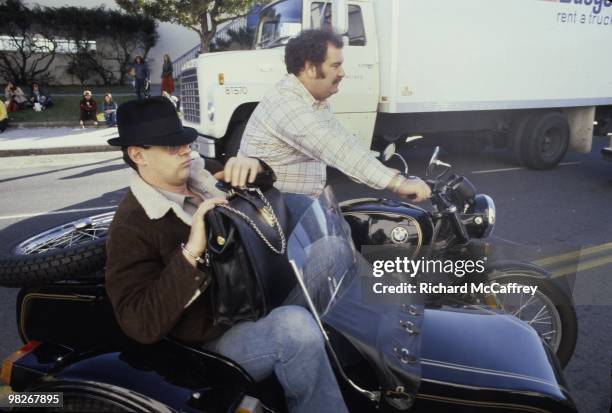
x: 172, y: 150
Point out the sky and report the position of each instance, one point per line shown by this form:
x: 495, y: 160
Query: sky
x: 174, y: 40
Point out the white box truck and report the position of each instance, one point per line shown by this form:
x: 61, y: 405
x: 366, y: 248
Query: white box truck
x: 530, y: 75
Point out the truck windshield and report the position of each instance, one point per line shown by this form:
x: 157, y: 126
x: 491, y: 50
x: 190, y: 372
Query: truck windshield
x: 279, y: 22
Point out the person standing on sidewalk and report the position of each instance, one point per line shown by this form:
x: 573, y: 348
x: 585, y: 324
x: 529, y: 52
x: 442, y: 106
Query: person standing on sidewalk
x: 89, y: 109
x: 167, y: 79
x: 141, y: 75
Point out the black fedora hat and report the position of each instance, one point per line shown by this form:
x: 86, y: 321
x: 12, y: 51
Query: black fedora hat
x: 152, y: 122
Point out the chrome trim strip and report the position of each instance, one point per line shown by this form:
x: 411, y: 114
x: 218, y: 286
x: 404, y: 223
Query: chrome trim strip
x: 461, y: 367
x: 451, y: 400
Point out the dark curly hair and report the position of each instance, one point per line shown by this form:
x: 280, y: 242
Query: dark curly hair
x: 309, y: 45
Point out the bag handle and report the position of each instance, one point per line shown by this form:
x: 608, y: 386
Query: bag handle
x: 252, y: 224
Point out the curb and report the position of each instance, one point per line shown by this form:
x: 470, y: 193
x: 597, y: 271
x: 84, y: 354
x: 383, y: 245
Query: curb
x: 57, y: 151
x: 50, y: 124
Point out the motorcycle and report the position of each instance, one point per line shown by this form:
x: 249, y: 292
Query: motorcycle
x: 387, y: 357
x: 457, y: 228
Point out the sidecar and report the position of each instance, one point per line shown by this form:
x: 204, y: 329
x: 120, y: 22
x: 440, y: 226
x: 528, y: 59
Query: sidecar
x: 472, y: 360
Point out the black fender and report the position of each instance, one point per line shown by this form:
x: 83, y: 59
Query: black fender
x: 506, y: 267
x: 497, y: 363
x: 167, y: 376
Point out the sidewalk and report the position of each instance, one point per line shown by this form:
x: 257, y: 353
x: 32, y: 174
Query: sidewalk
x: 55, y: 140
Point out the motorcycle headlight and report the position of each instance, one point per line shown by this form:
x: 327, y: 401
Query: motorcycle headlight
x: 483, y: 215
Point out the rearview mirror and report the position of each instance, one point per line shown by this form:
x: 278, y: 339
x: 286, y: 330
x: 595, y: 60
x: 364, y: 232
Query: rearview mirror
x: 434, y: 161
x: 388, y: 152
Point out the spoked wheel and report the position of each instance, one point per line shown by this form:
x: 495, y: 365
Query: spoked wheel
x: 548, y: 311
x: 537, y: 311
x: 67, y: 235
x: 65, y: 252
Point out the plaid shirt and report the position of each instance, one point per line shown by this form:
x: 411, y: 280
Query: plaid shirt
x: 298, y: 136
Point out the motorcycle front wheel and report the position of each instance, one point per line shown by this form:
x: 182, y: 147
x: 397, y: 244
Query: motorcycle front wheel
x: 550, y: 311
x: 69, y: 251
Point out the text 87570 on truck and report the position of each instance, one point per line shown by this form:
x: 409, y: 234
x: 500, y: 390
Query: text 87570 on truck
x: 521, y: 74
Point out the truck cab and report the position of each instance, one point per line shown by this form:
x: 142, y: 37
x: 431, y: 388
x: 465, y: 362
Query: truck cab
x: 220, y: 90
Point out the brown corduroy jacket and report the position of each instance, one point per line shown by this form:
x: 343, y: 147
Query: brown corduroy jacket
x: 152, y: 287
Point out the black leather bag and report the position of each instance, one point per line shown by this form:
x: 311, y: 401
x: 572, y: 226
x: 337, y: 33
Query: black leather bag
x: 247, y: 250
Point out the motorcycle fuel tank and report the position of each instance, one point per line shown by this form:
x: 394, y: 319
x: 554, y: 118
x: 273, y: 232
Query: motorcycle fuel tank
x: 386, y: 222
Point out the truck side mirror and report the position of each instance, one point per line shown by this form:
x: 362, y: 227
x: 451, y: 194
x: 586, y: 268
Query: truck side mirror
x: 340, y: 16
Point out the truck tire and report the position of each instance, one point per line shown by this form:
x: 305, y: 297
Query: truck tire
x: 74, y: 250
x: 545, y: 140
x: 515, y: 138
x: 232, y: 143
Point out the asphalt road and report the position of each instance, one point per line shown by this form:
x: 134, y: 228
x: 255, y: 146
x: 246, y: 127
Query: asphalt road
x: 541, y: 215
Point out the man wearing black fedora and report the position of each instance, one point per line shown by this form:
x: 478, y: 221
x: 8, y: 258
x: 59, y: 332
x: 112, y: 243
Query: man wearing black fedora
x: 154, y: 246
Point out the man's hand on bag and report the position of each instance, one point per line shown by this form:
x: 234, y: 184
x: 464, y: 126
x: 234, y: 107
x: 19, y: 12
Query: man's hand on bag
x: 414, y: 189
x: 239, y: 170
x: 196, y: 244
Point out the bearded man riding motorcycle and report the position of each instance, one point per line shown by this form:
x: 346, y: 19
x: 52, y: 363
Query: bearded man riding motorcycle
x: 154, y: 278
x: 295, y: 132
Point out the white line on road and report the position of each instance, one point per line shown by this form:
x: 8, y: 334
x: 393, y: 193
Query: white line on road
x: 65, y: 211
x: 518, y: 168
x: 507, y: 241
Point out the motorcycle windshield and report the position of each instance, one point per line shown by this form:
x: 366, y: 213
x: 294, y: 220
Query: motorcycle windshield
x: 330, y: 271
x: 321, y: 254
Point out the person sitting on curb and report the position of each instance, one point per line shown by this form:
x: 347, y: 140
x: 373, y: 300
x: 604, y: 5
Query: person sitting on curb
x: 40, y: 96
x: 109, y: 107
x: 3, y: 117
x: 89, y: 109
x: 15, y: 98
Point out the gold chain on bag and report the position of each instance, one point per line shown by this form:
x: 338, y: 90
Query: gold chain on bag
x: 270, y: 213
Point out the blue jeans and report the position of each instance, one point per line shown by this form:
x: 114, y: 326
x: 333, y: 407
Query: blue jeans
x: 110, y: 118
x: 139, y: 87
x: 287, y: 342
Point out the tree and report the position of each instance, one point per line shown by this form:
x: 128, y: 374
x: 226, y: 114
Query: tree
x: 31, y: 48
x: 242, y: 39
x: 130, y: 35
x: 201, y: 16
x: 82, y: 26
x: 118, y: 36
